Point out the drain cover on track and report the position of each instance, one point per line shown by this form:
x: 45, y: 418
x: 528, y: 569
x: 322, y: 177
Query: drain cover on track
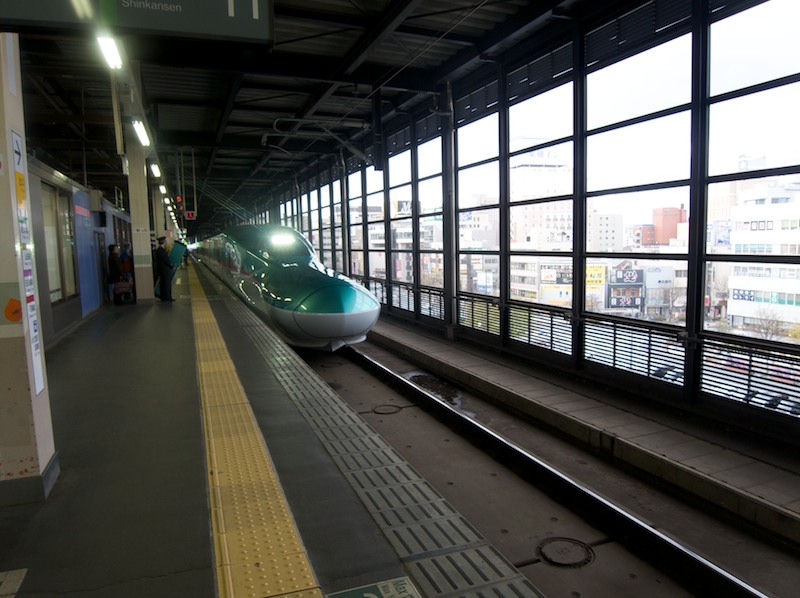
x: 565, y: 552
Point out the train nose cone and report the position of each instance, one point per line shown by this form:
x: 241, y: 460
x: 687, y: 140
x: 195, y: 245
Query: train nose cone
x: 337, y: 311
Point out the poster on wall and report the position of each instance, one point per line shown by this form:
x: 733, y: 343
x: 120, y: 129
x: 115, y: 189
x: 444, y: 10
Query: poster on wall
x: 33, y: 322
x: 28, y: 282
x: 19, y: 187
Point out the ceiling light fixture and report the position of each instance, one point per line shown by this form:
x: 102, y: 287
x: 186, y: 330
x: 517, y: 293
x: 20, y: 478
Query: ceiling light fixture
x: 110, y: 52
x: 83, y: 9
x: 138, y: 126
x: 163, y: 189
x: 155, y: 170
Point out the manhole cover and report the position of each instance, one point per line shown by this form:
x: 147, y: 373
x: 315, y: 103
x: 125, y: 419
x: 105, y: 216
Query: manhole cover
x: 565, y: 552
x: 386, y: 409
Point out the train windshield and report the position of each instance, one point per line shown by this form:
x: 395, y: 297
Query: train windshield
x: 286, y: 244
x: 274, y: 242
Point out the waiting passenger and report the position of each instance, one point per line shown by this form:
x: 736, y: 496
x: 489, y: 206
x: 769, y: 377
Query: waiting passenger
x: 127, y: 271
x: 114, y: 273
x: 164, y: 268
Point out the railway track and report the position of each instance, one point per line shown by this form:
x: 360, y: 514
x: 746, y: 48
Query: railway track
x: 569, y: 539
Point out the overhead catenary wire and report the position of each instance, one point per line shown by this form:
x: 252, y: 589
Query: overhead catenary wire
x: 368, y: 97
x: 398, y: 70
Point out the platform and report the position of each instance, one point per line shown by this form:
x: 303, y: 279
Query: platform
x: 200, y: 457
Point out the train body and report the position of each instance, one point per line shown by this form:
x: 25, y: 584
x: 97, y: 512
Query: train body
x: 276, y: 271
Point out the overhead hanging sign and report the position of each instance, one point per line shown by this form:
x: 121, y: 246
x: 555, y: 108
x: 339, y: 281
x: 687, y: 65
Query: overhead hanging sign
x: 239, y: 20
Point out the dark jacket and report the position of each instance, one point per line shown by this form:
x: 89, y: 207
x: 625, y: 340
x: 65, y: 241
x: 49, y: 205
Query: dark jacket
x: 114, y: 268
x: 163, y: 265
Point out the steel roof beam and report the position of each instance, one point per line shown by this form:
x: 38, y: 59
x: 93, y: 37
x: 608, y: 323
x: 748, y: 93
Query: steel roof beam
x: 397, y: 12
x: 354, y: 22
x: 258, y: 61
x: 233, y: 90
x: 522, y: 25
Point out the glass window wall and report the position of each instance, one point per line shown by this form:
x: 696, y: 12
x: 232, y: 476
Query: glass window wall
x: 654, y: 221
x: 478, y: 186
x: 543, y: 118
x: 478, y: 141
x: 754, y: 46
x: 636, y: 86
x: 654, y: 151
x: 756, y: 131
x: 750, y: 130
x: 430, y: 229
x: 640, y: 205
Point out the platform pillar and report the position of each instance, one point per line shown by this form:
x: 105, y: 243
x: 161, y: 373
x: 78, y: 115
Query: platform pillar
x: 140, y: 215
x: 28, y: 459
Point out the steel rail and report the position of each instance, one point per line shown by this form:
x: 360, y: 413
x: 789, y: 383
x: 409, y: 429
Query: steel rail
x: 688, y: 568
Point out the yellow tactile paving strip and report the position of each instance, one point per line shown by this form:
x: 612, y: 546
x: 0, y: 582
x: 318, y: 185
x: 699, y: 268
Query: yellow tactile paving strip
x: 258, y: 550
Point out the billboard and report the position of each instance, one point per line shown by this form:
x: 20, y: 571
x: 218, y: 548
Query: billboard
x: 659, y: 277
x: 628, y: 277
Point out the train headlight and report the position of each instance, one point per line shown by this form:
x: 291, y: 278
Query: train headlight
x: 281, y: 240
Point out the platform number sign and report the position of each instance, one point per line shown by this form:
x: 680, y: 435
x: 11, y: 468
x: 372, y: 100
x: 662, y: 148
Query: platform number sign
x: 235, y: 20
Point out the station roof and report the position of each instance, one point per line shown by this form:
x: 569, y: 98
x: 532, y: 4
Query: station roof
x: 236, y: 122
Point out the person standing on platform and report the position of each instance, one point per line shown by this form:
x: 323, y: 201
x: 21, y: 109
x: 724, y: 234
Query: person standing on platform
x: 127, y: 270
x: 164, y: 269
x: 114, y: 272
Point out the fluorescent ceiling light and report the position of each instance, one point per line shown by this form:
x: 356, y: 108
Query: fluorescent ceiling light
x: 83, y: 9
x: 138, y: 126
x: 155, y: 170
x: 162, y: 188
x: 166, y: 200
x: 110, y: 52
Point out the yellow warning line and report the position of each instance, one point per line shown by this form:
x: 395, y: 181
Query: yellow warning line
x: 257, y: 547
